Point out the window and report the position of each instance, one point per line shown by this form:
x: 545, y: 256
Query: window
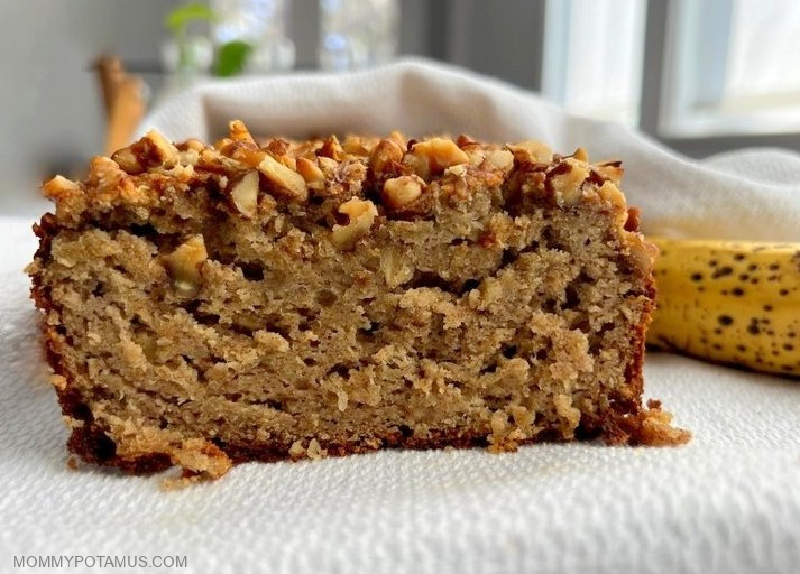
x: 701, y: 75
x: 261, y: 23
x: 733, y: 69
x: 357, y: 33
x: 593, y: 57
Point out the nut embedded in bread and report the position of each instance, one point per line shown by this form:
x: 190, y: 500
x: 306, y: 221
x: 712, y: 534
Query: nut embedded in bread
x: 206, y: 305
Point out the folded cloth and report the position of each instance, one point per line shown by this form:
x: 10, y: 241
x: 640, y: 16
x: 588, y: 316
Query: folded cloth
x: 751, y: 194
x: 728, y: 502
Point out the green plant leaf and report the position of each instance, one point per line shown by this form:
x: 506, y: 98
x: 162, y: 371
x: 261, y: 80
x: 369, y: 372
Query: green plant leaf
x: 232, y: 58
x: 179, y: 18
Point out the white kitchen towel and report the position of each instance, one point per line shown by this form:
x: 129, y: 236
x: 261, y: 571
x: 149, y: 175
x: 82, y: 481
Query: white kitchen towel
x: 728, y: 502
x: 752, y: 194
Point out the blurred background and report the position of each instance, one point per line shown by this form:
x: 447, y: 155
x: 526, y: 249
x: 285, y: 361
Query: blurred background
x: 701, y: 76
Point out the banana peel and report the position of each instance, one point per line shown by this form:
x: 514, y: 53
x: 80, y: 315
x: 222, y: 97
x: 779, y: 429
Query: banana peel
x: 729, y: 302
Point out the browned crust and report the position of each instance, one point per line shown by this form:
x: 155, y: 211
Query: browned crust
x: 618, y: 427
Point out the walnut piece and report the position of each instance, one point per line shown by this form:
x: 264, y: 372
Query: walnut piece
x: 501, y: 159
x: 184, y: 266
x: 612, y: 170
x: 568, y: 185
x: 328, y: 166
x: 210, y: 157
x: 240, y: 133
x: 355, y: 145
x: 532, y: 151
x: 433, y: 156
x: 249, y: 156
x: 152, y: 150
x: 161, y: 148
x: 60, y: 187
x: 386, y: 152
x: 310, y: 172
x: 400, y: 191
x: 287, y: 180
x: 395, y: 269
x: 398, y: 138
x: 362, y: 214
x: 244, y: 194
x: 128, y: 161
x: 288, y: 161
x: 332, y: 149
x: 459, y: 170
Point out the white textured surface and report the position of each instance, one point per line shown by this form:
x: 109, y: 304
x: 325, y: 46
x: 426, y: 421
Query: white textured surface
x: 729, y: 502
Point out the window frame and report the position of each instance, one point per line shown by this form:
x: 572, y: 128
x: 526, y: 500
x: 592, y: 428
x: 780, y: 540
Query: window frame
x: 658, y: 101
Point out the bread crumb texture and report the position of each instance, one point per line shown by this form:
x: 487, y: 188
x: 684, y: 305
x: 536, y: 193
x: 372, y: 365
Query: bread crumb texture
x: 272, y: 299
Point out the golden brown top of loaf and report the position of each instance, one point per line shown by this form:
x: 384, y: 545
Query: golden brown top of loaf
x: 356, y: 179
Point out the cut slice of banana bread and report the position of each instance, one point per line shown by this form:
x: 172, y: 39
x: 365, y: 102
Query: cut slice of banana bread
x: 280, y: 299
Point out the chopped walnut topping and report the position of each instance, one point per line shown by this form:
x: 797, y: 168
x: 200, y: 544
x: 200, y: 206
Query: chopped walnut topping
x: 305, y: 149
x: 162, y: 149
x: 432, y: 156
x: 128, y: 161
x: 362, y: 214
x: 109, y: 180
x: 386, y: 152
x: 153, y: 150
x: 188, y: 157
x: 532, y: 151
x: 418, y: 164
x: 328, y: 166
x: 192, y: 144
x: 184, y: 266
x: 612, y: 170
x: 240, y: 133
x: 502, y: 159
x: 356, y: 146
x: 223, y: 143
x: 400, y: 191
x: 278, y: 147
x: 211, y: 158
x: 250, y: 156
x: 331, y: 148
x: 288, y: 181
x: 60, y: 187
x: 456, y: 170
x: 398, y: 138
x: 403, y: 172
x: 288, y: 161
x: 466, y: 143
x: 568, y: 184
x: 244, y: 194
x: 353, y: 174
x: 311, y: 173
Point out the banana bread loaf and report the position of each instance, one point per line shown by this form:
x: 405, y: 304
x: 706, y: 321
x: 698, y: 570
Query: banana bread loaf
x: 260, y: 300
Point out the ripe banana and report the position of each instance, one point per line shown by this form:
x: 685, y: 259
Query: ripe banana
x: 729, y: 302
